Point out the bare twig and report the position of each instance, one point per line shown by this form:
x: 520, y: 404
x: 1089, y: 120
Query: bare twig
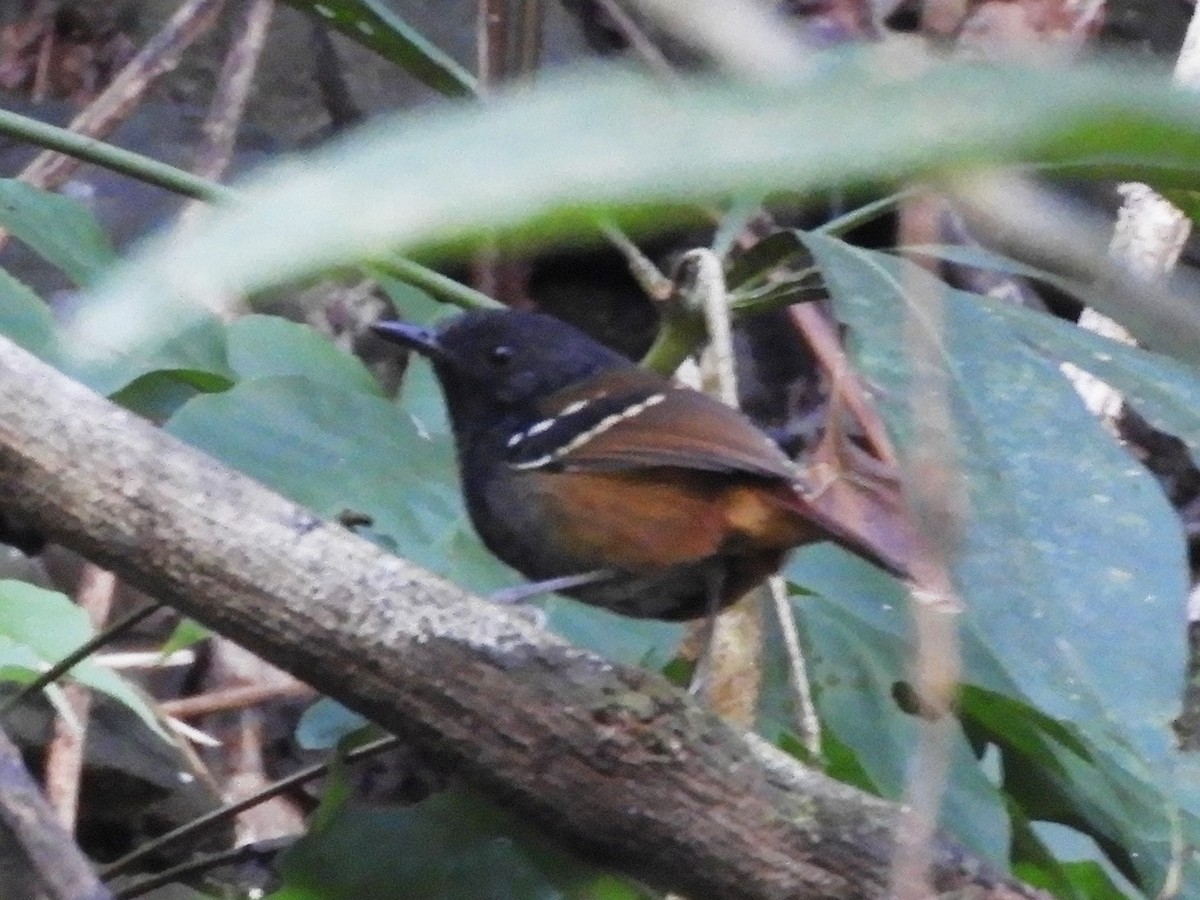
x: 68, y: 662
x: 217, y: 816
x: 820, y: 333
x: 229, y: 99
x: 160, y: 55
x: 936, y: 503
x: 231, y: 699
x: 645, y: 48
x: 65, y: 751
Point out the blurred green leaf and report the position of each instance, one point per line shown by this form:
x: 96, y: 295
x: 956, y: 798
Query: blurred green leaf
x: 376, y: 26
x: 61, y: 230
x: 549, y: 158
x: 25, y: 318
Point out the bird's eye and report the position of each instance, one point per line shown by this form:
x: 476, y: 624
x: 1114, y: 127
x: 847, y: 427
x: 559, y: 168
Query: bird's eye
x: 501, y: 354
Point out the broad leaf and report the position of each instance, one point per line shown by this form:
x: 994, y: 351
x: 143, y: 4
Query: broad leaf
x: 548, y: 159
x: 49, y: 626
x: 1072, y: 564
x: 61, y: 230
x: 262, y: 346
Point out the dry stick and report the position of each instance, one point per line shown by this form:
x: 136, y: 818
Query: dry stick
x: 733, y: 681
x: 225, y: 116
x: 607, y: 757
x: 40, y: 857
x: 529, y: 36
x: 808, y: 724
x: 231, y: 699
x: 819, y: 332
x: 65, y: 751
x: 160, y: 55
x: 229, y: 99
x: 217, y: 816
x: 937, y: 505
x: 491, y: 49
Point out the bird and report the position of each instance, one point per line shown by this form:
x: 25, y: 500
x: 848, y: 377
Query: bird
x: 607, y: 482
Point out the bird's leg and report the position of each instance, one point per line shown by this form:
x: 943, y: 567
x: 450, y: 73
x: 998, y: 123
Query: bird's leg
x: 714, y: 582
x: 522, y: 592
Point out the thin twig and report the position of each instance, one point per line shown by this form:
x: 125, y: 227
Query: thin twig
x: 808, y: 725
x: 160, y: 55
x: 230, y: 699
x: 819, y: 332
x: 262, y: 852
x: 65, y: 751
x: 657, y: 286
x: 135, y: 165
x: 68, y: 662
x: 217, y: 816
x: 529, y: 37
x: 228, y: 104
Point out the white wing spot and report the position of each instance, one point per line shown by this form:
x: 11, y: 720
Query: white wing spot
x: 583, y: 437
x: 515, y: 439
x: 538, y: 427
x: 571, y: 408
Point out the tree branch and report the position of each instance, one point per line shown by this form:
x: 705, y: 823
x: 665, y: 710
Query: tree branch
x: 611, y: 759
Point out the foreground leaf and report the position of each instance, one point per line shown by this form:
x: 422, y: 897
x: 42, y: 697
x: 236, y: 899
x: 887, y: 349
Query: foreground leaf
x: 548, y: 159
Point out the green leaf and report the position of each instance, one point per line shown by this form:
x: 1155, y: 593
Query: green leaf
x: 374, y: 25
x: 187, y: 633
x: 25, y: 319
x: 855, y: 630
x: 1039, y: 865
x: 336, y: 451
x: 548, y: 159
x: 50, y: 626
x: 642, y: 642
x: 261, y: 346
x: 1060, y: 543
x: 326, y: 723
x: 159, y: 395
x: 1165, y: 392
x: 192, y: 348
x: 62, y: 231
